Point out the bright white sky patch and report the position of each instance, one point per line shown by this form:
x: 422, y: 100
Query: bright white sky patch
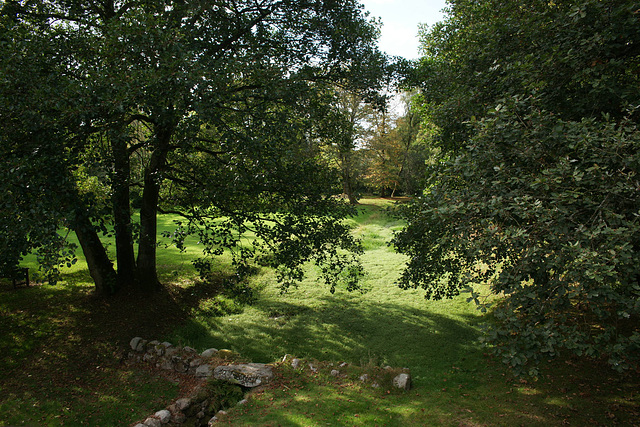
x: 401, y: 18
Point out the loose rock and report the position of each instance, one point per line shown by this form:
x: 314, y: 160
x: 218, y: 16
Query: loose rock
x: 179, y: 365
x: 210, y: 352
x: 247, y: 375
x: 402, y: 381
x: 152, y: 422
x: 183, y: 403
x: 141, y: 346
x: 134, y: 343
x: 164, y: 416
x: 171, y: 351
x: 203, y: 371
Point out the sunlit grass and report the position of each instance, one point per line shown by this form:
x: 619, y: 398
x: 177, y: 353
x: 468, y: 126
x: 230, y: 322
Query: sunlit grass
x: 455, y: 383
x: 385, y: 323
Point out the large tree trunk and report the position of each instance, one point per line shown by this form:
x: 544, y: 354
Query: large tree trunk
x: 125, y: 256
x: 147, y: 277
x: 347, y: 188
x: 100, y: 266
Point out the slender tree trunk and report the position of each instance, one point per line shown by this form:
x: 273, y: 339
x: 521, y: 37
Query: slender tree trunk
x: 100, y: 266
x: 147, y: 277
x: 347, y: 178
x: 348, y: 190
x: 122, y: 212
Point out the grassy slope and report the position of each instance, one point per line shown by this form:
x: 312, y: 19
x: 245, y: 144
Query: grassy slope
x: 454, y: 382
x: 60, y: 360
x: 60, y: 353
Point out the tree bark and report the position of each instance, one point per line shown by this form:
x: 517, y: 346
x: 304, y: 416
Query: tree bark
x: 125, y: 256
x: 347, y: 178
x: 100, y: 266
x: 147, y: 276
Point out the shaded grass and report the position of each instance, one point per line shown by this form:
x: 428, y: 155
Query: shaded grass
x: 455, y: 382
x: 61, y: 353
x: 121, y: 397
x: 60, y: 363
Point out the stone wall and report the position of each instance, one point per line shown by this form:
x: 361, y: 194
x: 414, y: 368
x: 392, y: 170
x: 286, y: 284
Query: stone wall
x: 224, y: 384
x: 208, y: 398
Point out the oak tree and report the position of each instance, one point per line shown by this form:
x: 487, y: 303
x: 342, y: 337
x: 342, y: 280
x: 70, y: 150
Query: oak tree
x: 208, y: 109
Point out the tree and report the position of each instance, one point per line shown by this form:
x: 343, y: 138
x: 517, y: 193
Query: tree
x: 536, y: 109
x: 395, y: 153
x: 352, y: 114
x: 219, y: 104
x: 34, y: 146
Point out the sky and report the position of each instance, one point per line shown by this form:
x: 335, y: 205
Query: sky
x: 400, y: 20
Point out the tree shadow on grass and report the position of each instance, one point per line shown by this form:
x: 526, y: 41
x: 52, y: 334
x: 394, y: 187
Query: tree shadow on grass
x: 345, y: 330
x: 62, y: 347
x: 447, y: 362
x: 71, y: 320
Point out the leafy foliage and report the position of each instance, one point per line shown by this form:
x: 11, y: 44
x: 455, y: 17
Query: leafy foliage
x: 221, y: 395
x: 395, y: 154
x: 579, y: 58
x: 34, y: 148
x: 212, y: 111
x: 537, y: 192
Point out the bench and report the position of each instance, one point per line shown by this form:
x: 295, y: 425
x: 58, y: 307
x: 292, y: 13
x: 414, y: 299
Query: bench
x: 19, y: 276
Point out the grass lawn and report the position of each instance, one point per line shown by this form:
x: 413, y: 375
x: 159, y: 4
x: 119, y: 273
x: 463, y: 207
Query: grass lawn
x: 60, y: 362
x: 61, y: 354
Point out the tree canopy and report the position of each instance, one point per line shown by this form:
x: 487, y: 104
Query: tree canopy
x: 212, y: 110
x: 536, y: 193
